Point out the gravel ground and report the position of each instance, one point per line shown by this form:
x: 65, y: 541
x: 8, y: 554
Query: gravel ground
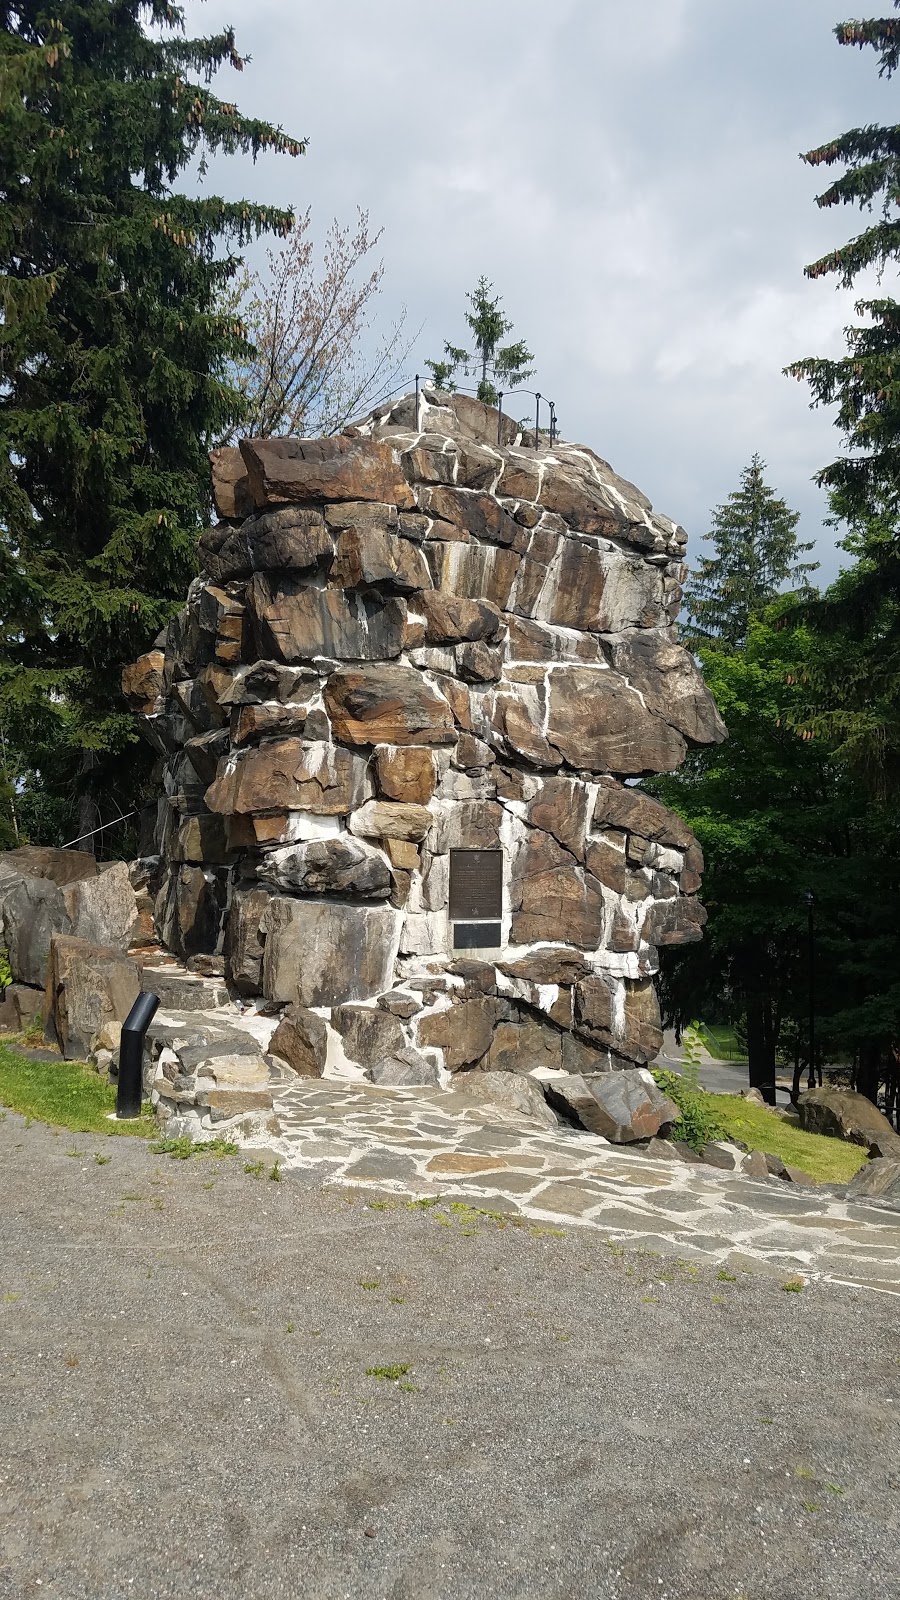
x: 185, y: 1407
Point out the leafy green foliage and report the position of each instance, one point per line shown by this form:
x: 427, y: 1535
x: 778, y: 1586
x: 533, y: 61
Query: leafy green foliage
x: 114, y: 363
x: 755, y: 539
x: 184, y: 1148
x: 503, y: 365
x: 778, y: 810
x: 698, y: 1123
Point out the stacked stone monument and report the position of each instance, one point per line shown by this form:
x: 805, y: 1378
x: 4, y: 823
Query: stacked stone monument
x: 398, y: 721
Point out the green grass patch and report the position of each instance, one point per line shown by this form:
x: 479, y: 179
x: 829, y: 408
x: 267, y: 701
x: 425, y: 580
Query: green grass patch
x: 67, y: 1094
x: 826, y: 1160
x: 706, y: 1117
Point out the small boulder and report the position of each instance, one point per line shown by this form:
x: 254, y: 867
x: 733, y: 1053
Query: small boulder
x: 41, y: 861
x: 755, y: 1164
x: 406, y: 1069
x: 664, y: 1150
x: 623, y: 1106
x: 90, y: 991
x: 509, y: 1091
x: 301, y: 1039
x: 843, y: 1114
x: 877, y: 1180
x: 720, y: 1153
x: 19, y: 1006
x: 328, y: 866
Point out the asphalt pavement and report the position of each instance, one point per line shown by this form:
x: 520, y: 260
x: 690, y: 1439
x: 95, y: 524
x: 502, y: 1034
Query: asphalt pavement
x: 215, y: 1384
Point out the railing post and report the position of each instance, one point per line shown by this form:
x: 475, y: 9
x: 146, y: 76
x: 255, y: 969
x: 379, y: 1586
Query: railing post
x: 131, y: 1055
x: 537, y: 418
x: 500, y: 418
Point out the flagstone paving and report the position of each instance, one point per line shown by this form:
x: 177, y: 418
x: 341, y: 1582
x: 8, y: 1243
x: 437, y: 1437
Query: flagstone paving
x: 426, y: 1144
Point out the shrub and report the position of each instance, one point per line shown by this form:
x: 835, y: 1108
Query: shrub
x: 698, y: 1123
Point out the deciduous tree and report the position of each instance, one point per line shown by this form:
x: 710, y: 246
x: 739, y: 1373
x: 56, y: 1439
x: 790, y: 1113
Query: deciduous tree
x: 311, y: 367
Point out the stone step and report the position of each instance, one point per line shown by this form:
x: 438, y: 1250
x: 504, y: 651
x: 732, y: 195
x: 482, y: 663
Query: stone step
x: 179, y: 990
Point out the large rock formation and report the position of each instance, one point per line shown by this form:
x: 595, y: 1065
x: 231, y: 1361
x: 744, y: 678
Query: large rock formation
x: 44, y: 892
x: 396, y: 722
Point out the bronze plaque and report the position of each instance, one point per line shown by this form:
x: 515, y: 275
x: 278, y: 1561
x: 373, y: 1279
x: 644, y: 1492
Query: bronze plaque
x: 476, y: 884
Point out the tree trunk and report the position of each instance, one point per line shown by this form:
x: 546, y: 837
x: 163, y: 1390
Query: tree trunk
x: 88, y: 811
x: 869, y: 1073
x: 761, y: 1047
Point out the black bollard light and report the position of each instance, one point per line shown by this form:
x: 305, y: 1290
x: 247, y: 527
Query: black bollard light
x: 131, y: 1055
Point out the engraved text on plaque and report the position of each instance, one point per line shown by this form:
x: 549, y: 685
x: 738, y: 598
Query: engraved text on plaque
x: 476, y: 884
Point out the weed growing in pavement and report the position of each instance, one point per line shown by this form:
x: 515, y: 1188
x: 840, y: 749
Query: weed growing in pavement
x: 373, y: 1283
x: 275, y: 1174
x: 793, y: 1285
x: 726, y: 1277
x: 392, y: 1373
x: 102, y: 1161
x: 255, y: 1168
x: 183, y: 1148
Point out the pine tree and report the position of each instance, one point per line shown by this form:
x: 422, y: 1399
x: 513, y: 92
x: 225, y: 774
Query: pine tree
x: 755, y: 538
x: 506, y: 365
x: 113, y: 364
x: 854, y: 696
x: 864, y: 384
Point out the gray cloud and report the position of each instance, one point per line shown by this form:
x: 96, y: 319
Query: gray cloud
x: 628, y: 178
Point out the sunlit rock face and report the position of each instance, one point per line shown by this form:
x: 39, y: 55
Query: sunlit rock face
x: 396, y: 717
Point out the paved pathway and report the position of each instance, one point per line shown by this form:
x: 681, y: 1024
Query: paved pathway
x: 436, y: 1142
x: 217, y: 1387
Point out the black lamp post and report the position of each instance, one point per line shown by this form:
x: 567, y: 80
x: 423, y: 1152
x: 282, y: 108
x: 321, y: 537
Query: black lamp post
x: 809, y: 901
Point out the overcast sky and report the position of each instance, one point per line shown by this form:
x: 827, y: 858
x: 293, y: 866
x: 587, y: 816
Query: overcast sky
x: 627, y: 174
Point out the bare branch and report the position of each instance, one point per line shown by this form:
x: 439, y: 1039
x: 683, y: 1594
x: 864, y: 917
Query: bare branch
x: 312, y: 367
